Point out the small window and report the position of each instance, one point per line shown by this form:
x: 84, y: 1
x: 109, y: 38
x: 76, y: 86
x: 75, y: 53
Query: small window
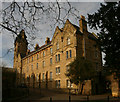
x: 51, y: 51
x: 50, y: 60
x: 62, y: 39
x: 68, y: 41
x: 37, y: 66
x: 43, y: 53
x: 66, y: 54
x: 43, y: 63
x: 50, y: 75
x: 57, y: 46
x: 70, y: 53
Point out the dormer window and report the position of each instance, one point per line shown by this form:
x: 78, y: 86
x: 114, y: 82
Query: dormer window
x: 68, y: 41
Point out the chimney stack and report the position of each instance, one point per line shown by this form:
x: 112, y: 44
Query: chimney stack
x: 83, y: 24
x: 47, y: 40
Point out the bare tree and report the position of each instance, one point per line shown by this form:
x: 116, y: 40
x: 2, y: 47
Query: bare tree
x: 26, y: 15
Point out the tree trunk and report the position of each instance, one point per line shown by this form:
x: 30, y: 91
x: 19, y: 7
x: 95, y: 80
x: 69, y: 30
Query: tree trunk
x: 82, y: 88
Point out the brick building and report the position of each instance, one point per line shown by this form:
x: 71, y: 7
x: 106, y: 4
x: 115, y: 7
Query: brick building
x: 46, y: 66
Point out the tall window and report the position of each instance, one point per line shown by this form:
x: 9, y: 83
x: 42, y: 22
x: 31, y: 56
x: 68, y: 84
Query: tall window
x: 57, y: 83
x: 43, y: 77
x: 66, y: 54
x: 43, y: 53
x: 50, y: 60
x: 58, y: 70
x: 57, y: 46
x: 70, y: 52
x: 43, y: 63
x: 37, y: 56
x: 50, y: 75
x: 68, y: 41
x: 37, y: 65
x: 58, y: 57
x: 68, y: 83
x: 50, y: 50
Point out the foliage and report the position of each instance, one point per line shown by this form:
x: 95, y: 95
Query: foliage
x: 107, y: 19
x: 80, y: 70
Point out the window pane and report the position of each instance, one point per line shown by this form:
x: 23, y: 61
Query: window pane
x: 58, y: 57
x: 37, y: 65
x: 56, y: 70
x: 51, y: 50
x: 50, y: 75
x: 43, y: 77
x: 66, y: 54
x: 70, y: 53
x: 50, y: 60
x: 43, y: 53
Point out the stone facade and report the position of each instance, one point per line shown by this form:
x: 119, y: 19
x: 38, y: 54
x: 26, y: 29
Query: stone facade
x: 46, y: 66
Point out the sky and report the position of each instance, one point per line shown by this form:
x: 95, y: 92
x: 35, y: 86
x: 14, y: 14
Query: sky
x: 7, y: 41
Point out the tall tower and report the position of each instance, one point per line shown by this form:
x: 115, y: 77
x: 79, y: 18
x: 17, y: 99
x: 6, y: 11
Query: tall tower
x: 20, y: 49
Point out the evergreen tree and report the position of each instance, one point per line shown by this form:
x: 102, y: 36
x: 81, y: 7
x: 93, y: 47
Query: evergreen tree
x: 107, y: 19
x: 80, y: 70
